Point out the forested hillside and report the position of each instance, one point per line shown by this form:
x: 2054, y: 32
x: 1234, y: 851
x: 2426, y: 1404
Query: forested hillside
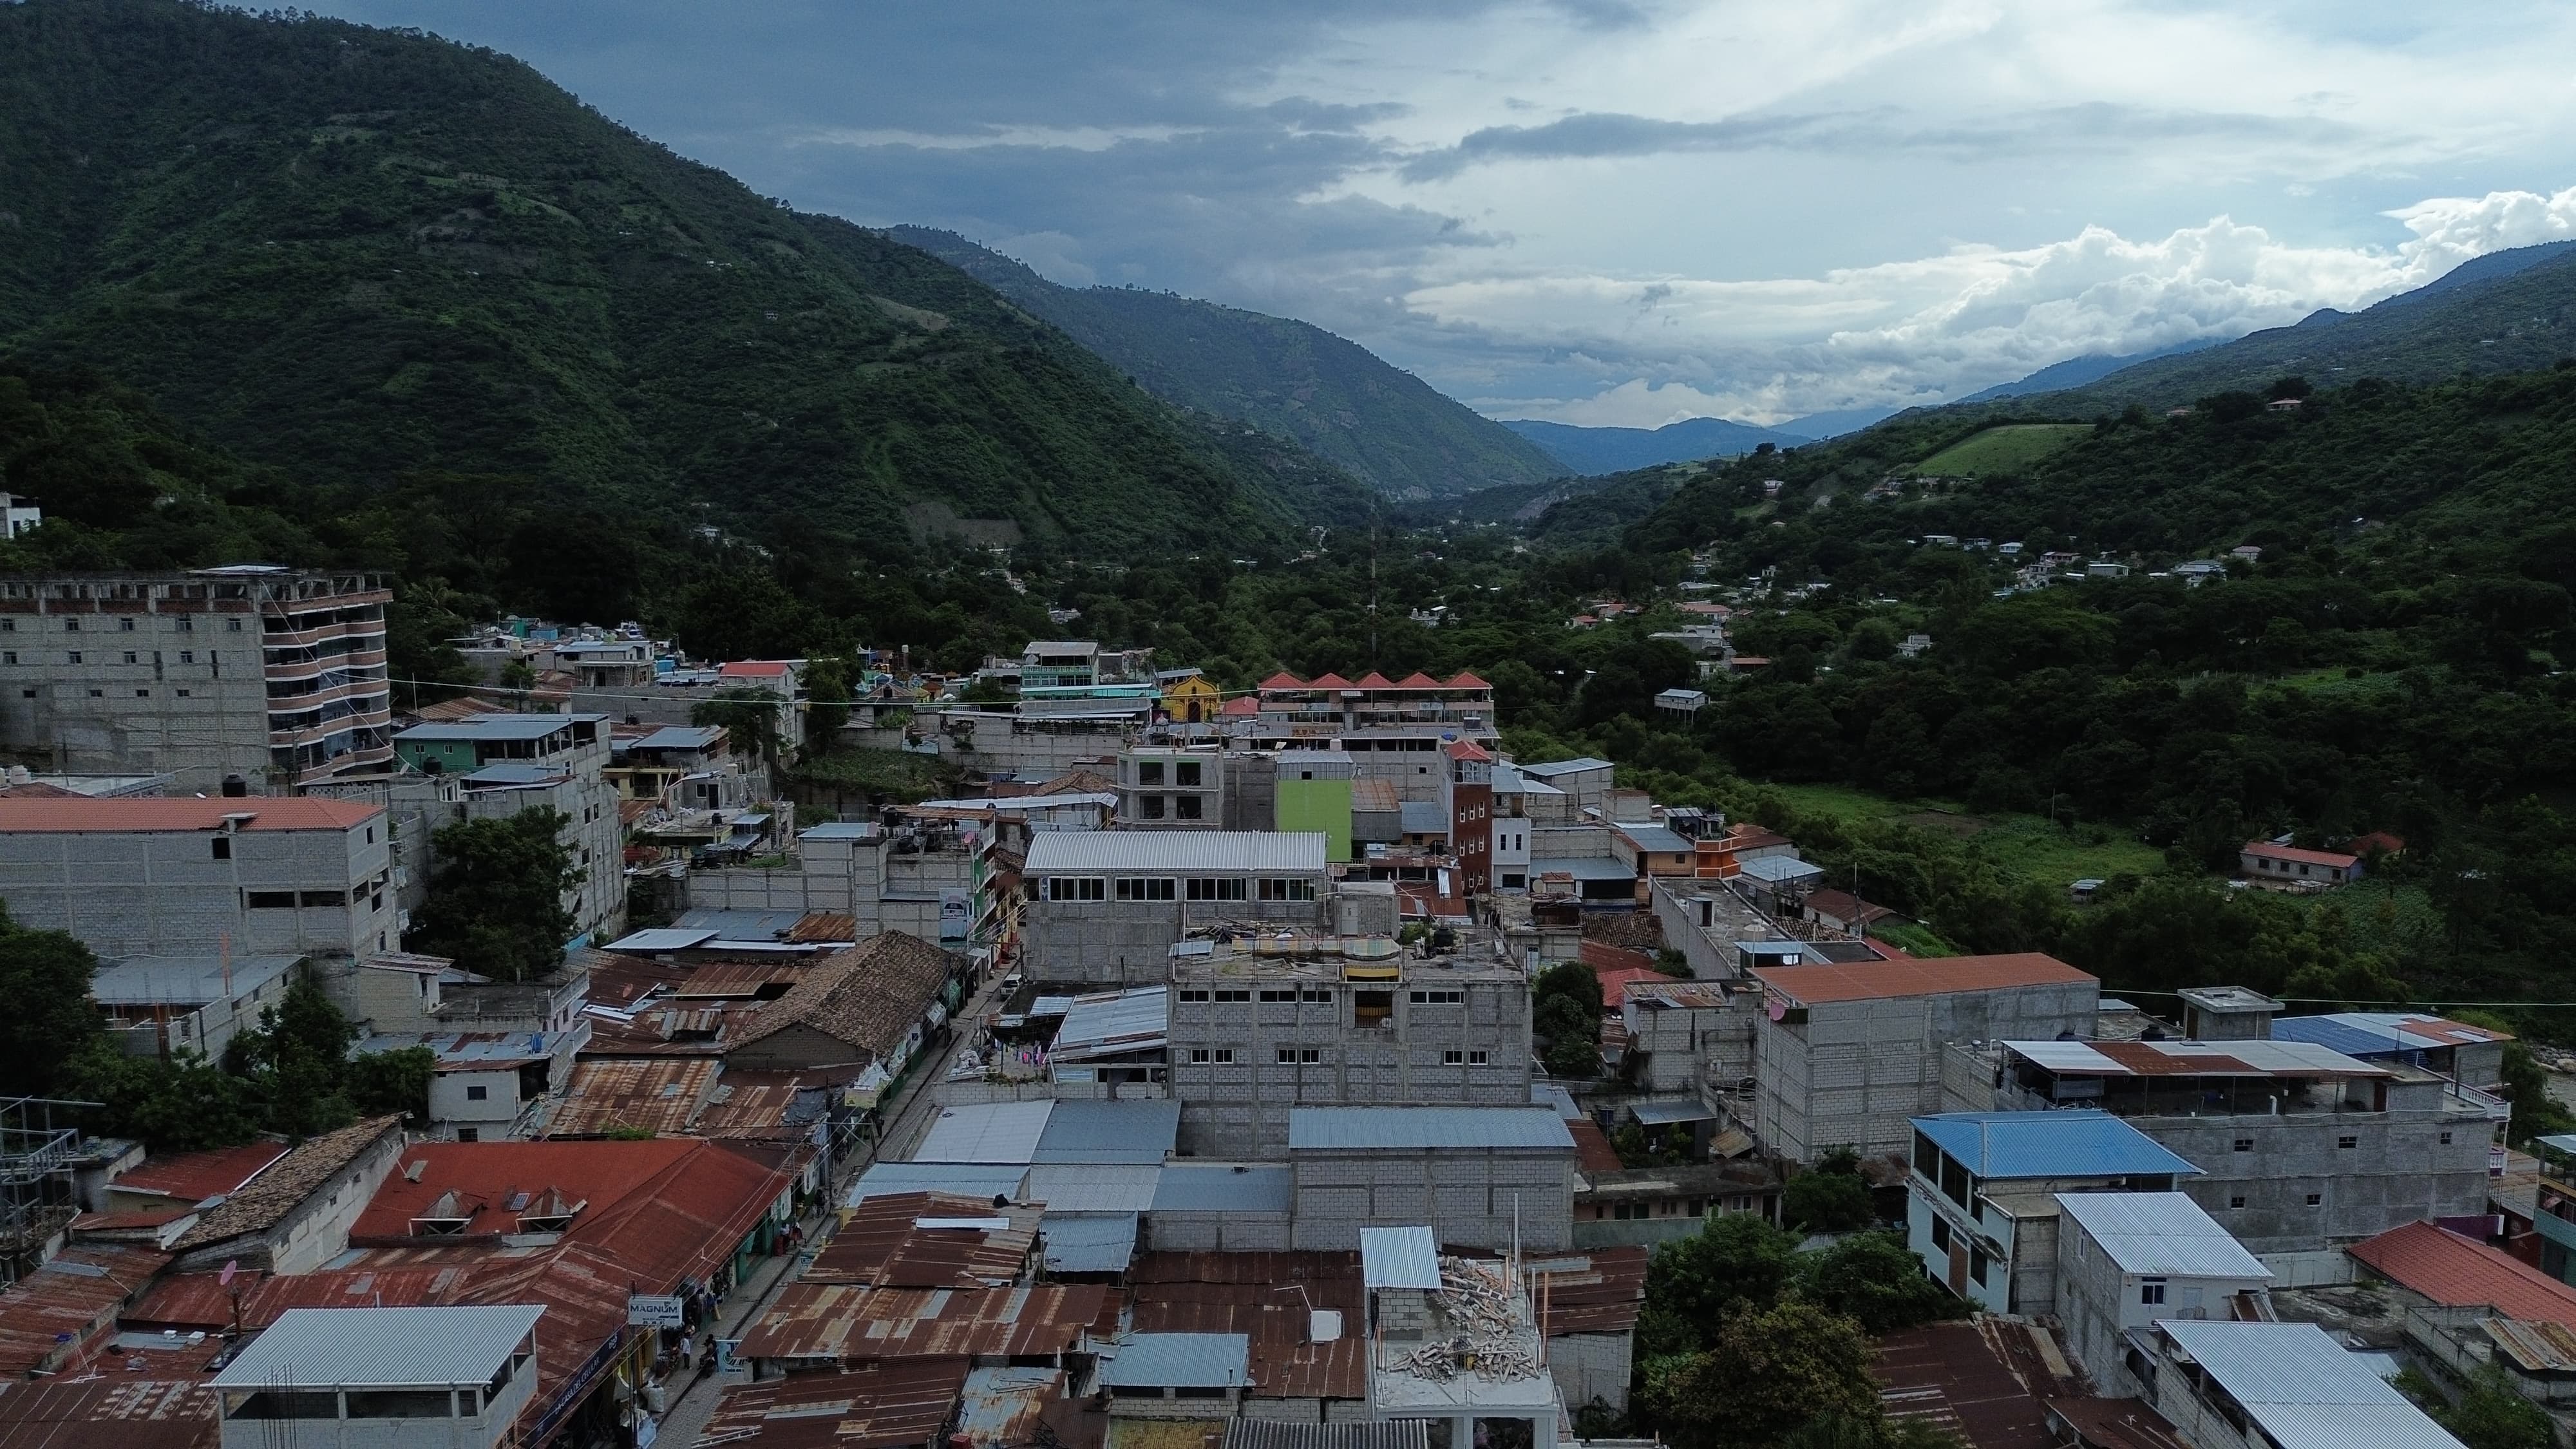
x: 1618, y: 450
x: 359, y: 254
x: 1285, y: 377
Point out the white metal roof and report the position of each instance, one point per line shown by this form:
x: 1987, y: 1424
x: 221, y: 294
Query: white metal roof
x: 2305, y: 1390
x: 665, y: 938
x: 1135, y: 1133
x: 1176, y: 852
x: 1107, y: 1022
x: 1093, y: 1187
x: 2198, y: 1058
x: 986, y: 1132
x: 1179, y: 1361
x: 1406, y: 1257
x: 381, y: 1347
x: 1088, y: 1242
x: 1232, y: 1187
x: 2161, y: 1234
x: 966, y: 1179
x: 1777, y: 868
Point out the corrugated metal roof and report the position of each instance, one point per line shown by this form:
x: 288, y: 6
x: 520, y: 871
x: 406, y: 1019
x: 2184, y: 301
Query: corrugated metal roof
x: 666, y: 938
x: 1273, y: 1434
x: 1778, y: 868
x: 875, y: 1407
x: 1116, y: 1132
x: 680, y: 737
x: 2304, y: 1389
x: 1554, y: 1097
x: 888, y: 1242
x: 1088, y: 1242
x: 1554, y: 768
x: 1085, y: 1187
x: 1422, y: 817
x: 2453, y: 1271
x: 1325, y: 1129
x: 1176, y: 852
x: 494, y: 728
x: 2377, y: 1033
x: 381, y: 1347
x: 1225, y: 1187
x: 2161, y: 1234
x: 964, y: 1179
x: 1407, y: 1257
x: 857, y: 1325
x: 1113, y: 1021
x: 1822, y: 984
x: 1654, y: 837
x: 1583, y: 867
x: 20, y: 815
x: 2191, y: 1058
x: 2050, y: 1144
x: 1665, y: 1113
x: 1178, y: 1361
x: 986, y: 1132
x: 196, y: 1176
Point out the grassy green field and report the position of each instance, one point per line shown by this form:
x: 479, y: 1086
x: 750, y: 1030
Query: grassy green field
x: 2023, y: 845
x: 2001, y: 449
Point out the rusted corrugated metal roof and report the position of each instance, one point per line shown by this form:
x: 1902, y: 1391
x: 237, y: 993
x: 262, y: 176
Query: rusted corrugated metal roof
x: 1003, y: 1407
x: 1954, y: 1376
x: 859, y: 1325
x: 884, y: 1245
x: 1335, y: 1370
x: 657, y: 1095
x: 761, y: 1106
x: 2537, y: 1347
x: 824, y: 926
x: 884, y: 1406
x: 1600, y: 1290
x: 50, y: 1314
x: 128, y: 1412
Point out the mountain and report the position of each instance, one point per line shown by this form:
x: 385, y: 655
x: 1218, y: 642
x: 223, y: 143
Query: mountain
x: 2077, y: 371
x: 2515, y: 310
x: 362, y: 255
x: 1282, y: 376
x: 1619, y: 450
x: 1838, y: 422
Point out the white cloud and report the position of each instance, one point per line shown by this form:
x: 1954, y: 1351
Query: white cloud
x: 1939, y: 326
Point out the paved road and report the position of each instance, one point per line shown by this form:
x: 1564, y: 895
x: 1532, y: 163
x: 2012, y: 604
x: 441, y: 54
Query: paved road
x: 907, y: 1124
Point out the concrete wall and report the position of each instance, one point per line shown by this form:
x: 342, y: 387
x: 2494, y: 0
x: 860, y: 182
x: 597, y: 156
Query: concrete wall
x: 165, y: 893
x: 1216, y: 1232
x: 1854, y: 1072
x: 1242, y: 1108
x: 2397, y: 1170
x: 2099, y: 1305
x: 1128, y: 943
x: 1589, y: 1366
x: 1466, y: 1195
x: 452, y: 1102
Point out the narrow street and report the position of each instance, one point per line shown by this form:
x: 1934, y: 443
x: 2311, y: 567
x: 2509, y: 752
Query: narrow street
x: 905, y: 1125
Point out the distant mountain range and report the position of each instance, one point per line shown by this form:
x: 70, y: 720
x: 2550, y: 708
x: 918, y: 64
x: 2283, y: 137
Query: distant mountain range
x: 2077, y: 371
x: 1333, y: 396
x: 1590, y: 451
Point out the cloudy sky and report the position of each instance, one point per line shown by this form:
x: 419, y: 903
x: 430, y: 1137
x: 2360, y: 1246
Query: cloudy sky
x: 1628, y: 211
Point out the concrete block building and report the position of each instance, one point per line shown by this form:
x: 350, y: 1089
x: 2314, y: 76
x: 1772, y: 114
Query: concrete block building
x: 1172, y: 788
x: 508, y: 764
x: 273, y: 674
x: 1255, y: 1035
x: 193, y: 879
x: 2300, y: 1147
x: 1105, y: 907
x: 2257, y: 1385
x: 934, y: 879
x: 1982, y: 1192
x: 1474, y: 1174
x: 2127, y: 1260
x: 1846, y: 1053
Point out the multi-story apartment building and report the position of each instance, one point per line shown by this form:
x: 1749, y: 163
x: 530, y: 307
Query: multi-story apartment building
x: 1846, y: 1053
x: 273, y: 674
x: 511, y: 763
x: 1258, y: 1030
x: 1467, y: 803
x: 196, y: 880
x: 2300, y: 1147
x: 1105, y: 907
x: 1172, y: 788
x: 1393, y: 730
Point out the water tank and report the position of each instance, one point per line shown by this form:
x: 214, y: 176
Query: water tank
x: 235, y: 787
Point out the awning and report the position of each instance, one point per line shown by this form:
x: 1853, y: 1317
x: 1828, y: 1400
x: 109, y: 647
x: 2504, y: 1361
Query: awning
x: 1666, y: 1114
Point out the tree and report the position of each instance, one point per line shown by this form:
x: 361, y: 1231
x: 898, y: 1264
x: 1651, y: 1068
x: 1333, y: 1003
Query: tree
x: 1876, y: 1281
x: 496, y: 895
x: 1768, y: 1373
x: 2488, y: 1414
x: 178, y: 1103
x: 1734, y: 1259
x: 44, y: 976
x: 1827, y: 1202
x: 750, y: 721
x: 394, y: 1081
x: 296, y: 1061
x: 830, y: 685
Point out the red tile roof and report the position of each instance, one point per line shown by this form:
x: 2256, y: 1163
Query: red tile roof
x: 197, y: 1176
x: 1874, y: 980
x: 1240, y: 706
x: 1418, y: 680
x: 1467, y: 681
x: 1329, y: 680
x: 21, y: 815
x: 755, y: 669
x: 2455, y: 1272
x: 2331, y: 859
x: 1469, y: 750
x: 1283, y: 680
x: 1375, y: 680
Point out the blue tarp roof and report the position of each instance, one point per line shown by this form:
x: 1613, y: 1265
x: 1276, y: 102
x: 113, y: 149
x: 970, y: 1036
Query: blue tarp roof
x: 2050, y: 1144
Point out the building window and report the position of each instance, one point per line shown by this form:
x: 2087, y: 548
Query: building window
x: 183, y: 694
x: 272, y: 900
x: 8, y: 626
x: 1940, y: 1233
x: 98, y: 694
x: 76, y: 656
x: 1278, y: 993
x: 1293, y: 889
x: 223, y: 847
x: 1242, y: 997
x: 1150, y: 806
x: 187, y: 656
x: 71, y: 626
x: 325, y: 898
x: 187, y: 625
x: 2316, y: 1199
x: 1480, y: 1059
x: 463, y: 1134
x: 232, y: 626
x: 1147, y: 888
x: 9, y: 656
x: 1439, y: 998
x: 1076, y: 888
x: 2347, y: 1142
x: 2446, y: 1139
x: 1187, y: 773
x: 129, y: 657
x: 2151, y: 1291
x: 1149, y: 772
x: 1206, y: 889
x: 2244, y: 1144
x: 1189, y: 996
x: 1300, y: 1056
x: 1453, y: 1057
x: 477, y: 1093
x: 143, y: 694
x: 1313, y: 995
x: 1223, y: 1056
x: 1188, y: 807
x: 2237, y: 1201
x: 1977, y: 1265
x: 127, y: 625
x: 1200, y: 1057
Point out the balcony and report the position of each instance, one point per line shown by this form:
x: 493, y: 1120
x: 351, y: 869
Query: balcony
x: 376, y: 719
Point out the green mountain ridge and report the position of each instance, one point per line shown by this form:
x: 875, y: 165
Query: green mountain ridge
x: 1286, y: 377
x: 359, y: 254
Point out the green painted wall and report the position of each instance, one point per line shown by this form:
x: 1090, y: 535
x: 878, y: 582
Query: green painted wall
x: 454, y: 757
x: 1318, y: 805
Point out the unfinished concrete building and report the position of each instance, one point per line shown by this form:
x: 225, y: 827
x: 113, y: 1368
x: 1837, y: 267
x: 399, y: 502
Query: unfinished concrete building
x: 1105, y: 907
x: 1261, y: 1027
x: 1482, y: 1177
x: 1846, y: 1053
